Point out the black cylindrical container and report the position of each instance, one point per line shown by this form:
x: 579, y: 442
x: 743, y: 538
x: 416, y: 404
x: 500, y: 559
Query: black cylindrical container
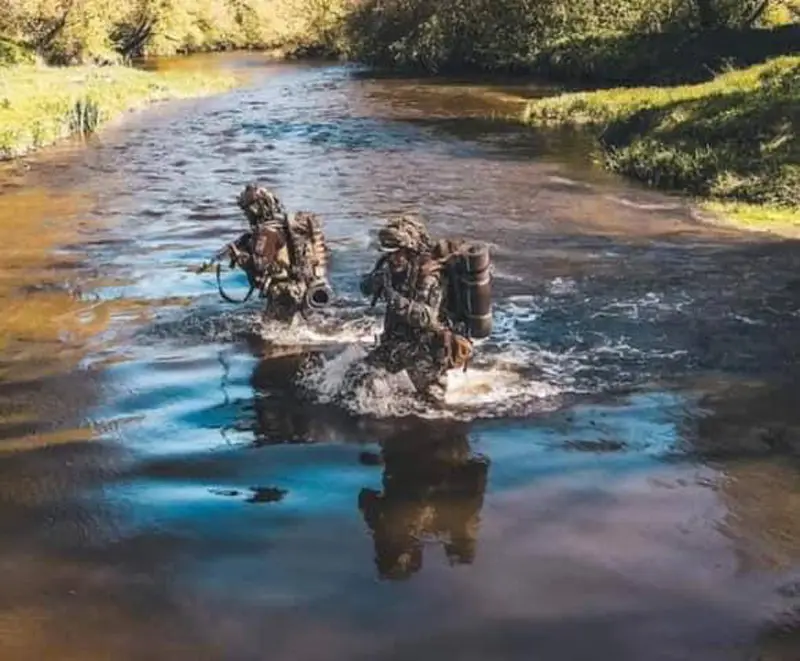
x: 476, y: 289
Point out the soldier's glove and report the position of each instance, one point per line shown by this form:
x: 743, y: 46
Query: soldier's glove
x: 238, y: 257
x: 457, y: 348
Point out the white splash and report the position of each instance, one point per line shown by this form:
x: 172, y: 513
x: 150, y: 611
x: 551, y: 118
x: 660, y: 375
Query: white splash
x: 318, y: 330
x: 494, y: 389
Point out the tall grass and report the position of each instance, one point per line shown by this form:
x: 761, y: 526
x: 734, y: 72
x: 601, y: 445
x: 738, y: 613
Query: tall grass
x: 41, y: 105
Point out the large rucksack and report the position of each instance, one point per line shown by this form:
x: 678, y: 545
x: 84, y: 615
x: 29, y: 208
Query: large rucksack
x: 306, y: 245
x: 308, y: 254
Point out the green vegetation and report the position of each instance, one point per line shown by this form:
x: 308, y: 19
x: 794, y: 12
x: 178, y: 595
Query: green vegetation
x: 717, y: 117
x: 755, y: 217
x: 712, y: 97
x: 665, y: 58
x: 41, y: 105
x: 566, y: 38
x: 734, y: 138
x: 436, y: 35
x: 99, y: 31
x: 12, y: 53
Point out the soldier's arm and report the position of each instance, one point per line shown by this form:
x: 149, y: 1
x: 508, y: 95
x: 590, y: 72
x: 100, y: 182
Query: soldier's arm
x: 371, y: 283
x: 240, y: 249
x: 423, y: 310
x: 230, y: 251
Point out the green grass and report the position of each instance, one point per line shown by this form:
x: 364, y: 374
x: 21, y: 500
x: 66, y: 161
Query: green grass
x: 755, y: 217
x: 12, y: 53
x: 41, y: 105
x: 734, y: 139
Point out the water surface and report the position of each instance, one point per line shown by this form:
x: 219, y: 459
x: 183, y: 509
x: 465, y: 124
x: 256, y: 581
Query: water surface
x: 615, y: 475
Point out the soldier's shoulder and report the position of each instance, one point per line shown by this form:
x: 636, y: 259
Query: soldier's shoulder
x: 430, y: 272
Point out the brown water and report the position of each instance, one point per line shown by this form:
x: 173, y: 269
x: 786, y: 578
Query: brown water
x: 615, y: 478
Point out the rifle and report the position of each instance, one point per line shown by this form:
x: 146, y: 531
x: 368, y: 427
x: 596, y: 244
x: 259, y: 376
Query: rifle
x: 380, y: 264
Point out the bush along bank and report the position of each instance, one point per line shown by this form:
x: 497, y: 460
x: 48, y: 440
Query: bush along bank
x: 732, y: 141
x: 42, y: 105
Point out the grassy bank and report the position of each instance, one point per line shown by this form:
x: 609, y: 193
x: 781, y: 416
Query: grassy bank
x: 41, y: 105
x: 732, y: 141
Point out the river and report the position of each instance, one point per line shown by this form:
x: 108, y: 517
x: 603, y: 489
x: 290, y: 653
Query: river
x: 614, y: 477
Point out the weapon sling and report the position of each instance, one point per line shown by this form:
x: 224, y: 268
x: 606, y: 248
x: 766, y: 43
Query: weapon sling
x: 222, y: 291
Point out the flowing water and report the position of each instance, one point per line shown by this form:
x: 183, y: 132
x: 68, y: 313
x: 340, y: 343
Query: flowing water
x: 614, y: 477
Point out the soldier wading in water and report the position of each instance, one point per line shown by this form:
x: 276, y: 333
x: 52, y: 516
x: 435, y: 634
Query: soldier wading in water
x: 284, y: 258
x: 430, y: 308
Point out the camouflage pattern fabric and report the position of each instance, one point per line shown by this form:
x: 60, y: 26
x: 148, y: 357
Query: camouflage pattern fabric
x: 422, y: 361
x: 413, y: 331
x: 405, y: 232
x: 263, y: 254
x: 285, y: 299
x: 260, y: 205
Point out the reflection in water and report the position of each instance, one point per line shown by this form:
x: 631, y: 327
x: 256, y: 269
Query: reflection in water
x: 280, y: 415
x: 433, y: 488
x: 254, y: 494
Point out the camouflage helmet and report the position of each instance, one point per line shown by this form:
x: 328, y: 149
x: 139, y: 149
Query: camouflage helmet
x: 259, y: 203
x: 404, y: 232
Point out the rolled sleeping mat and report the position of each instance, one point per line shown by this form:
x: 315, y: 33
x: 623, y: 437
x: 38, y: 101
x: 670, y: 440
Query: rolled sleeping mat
x: 477, y: 289
x: 319, y: 295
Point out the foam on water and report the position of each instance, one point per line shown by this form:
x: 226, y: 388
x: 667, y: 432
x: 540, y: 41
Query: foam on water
x: 534, y: 358
x: 318, y: 330
x: 493, y: 387
x: 529, y: 364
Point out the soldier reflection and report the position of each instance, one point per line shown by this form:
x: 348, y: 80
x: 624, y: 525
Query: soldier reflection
x: 279, y: 412
x: 433, y: 487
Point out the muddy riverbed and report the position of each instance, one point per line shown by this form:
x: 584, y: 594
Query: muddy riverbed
x: 614, y: 478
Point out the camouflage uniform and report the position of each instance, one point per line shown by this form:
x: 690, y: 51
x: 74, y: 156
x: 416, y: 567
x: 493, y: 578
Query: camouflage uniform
x: 263, y: 254
x: 412, y: 338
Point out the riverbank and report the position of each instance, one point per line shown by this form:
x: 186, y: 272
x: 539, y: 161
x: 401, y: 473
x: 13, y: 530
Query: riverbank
x: 731, y: 142
x: 41, y: 105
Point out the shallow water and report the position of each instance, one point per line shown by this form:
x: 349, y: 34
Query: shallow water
x: 615, y: 475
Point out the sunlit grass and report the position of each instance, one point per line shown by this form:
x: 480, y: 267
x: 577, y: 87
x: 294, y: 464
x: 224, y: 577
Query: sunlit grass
x: 41, y: 105
x: 600, y: 107
x: 734, y: 139
x: 758, y: 217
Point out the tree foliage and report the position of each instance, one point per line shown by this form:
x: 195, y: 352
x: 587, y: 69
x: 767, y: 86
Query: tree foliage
x: 432, y: 34
x: 491, y: 34
x: 72, y: 31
